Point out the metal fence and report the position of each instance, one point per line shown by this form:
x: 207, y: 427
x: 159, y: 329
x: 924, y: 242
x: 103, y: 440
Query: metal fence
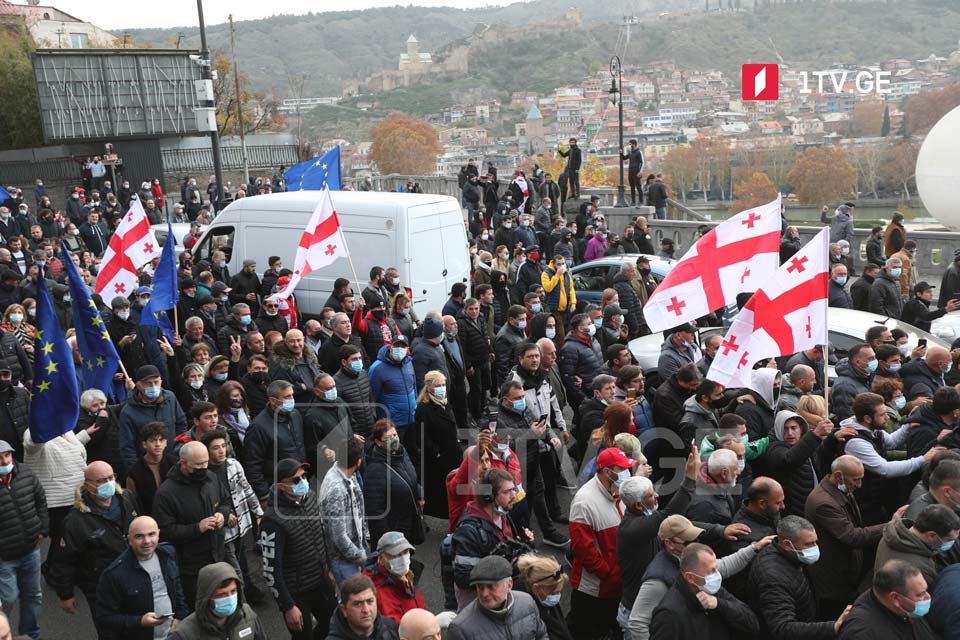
x: 24, y: 173
x: 177, y: 161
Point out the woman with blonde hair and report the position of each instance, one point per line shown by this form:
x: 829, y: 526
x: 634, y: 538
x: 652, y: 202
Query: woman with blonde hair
x: 441, y: 451
x: 400, y: 311
x: 14, y: 320
x: 812, y: 408
x: 501, y: 260
x: 543, y: 579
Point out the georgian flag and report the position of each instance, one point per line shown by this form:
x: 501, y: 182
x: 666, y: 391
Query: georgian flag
x: 131, y: 246
x: 735, y: 256
x: 786, y: 315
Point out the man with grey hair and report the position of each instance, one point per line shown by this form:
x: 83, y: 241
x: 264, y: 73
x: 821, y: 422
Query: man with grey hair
x: 839, y: 296
x: 714, y: 500
x: 342, y: 329
x: 780, y: 589
x: 239, y: 324
x: 192, y: 508
x: 885, y: 298
x: 629, y: 301
x: 799, y: 382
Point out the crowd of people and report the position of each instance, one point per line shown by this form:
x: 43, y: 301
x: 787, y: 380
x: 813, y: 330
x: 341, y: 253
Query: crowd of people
x: 263, y: 456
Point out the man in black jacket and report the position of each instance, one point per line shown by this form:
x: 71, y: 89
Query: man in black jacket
x: 295, y: 556
x: 780, y: 589
x: 574, y: 159
x: 25, y: 503
x: 245, y: 286
x: 14, y: 412
x: 892, y: 608
x: 275, y: 434
x: 326, y: 427
x: 635, y: 170
x: 191, y: 508
x: 657, y: 196
x: 353, y: 386
x: 698, y: 607
x: 860, y: 290
x: 917, y: 311
x: 94, y: 534
x: 130, y: 598
x: 476, y: 354
x: 875, y: 247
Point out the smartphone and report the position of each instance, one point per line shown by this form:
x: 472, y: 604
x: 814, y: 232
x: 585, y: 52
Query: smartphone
x: 922, y: 342
x: 165, y: 615
x: 632, y: 393
x: 542, y: 418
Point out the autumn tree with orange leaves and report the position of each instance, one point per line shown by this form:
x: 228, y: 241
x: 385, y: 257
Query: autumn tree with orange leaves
x: 752, y: 192
x: 404, y: 145
x: 822, y: 174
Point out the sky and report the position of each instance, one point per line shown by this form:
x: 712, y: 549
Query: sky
x: 119, y: 14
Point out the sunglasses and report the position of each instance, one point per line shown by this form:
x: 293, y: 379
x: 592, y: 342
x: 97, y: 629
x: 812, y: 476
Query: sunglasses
x: 557, y: 575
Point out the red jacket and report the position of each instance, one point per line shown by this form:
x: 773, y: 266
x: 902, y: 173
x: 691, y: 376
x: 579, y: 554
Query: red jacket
x: 393, y: 597
x: 594, y: 519
x: 457, y: 499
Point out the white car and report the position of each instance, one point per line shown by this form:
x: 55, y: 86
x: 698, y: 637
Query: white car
x: 847, y: 328
x: 947, y: 327
x: 180, y: 230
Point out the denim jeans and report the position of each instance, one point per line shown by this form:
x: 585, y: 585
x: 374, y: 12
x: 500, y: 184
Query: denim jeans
x: 20, y: 580
x: 343, y: 570
x: 660, y: 213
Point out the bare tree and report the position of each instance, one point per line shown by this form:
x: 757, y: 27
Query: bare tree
x: 868, y: 160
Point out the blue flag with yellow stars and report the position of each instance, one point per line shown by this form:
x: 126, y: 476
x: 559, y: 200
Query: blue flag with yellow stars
x: 316, y: 173
x: 98, y: 355
x: 165, y: 293
x: 55, y: 396
x: 4, y: 195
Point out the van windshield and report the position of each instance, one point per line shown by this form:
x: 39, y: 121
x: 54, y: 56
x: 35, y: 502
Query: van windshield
x: 214, y: 240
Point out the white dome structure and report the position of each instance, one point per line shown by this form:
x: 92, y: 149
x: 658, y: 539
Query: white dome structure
x: 938, y: 172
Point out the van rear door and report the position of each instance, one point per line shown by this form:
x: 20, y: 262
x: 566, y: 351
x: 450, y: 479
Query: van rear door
x: 437, y: 254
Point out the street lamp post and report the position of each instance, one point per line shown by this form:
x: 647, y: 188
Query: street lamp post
x: 616, y: 96
x: 206, y: 74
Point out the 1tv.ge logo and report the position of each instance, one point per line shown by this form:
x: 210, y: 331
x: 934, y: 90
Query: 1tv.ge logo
x: 762, y: 81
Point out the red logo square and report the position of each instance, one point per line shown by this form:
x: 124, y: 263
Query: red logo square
x: 760, y: 81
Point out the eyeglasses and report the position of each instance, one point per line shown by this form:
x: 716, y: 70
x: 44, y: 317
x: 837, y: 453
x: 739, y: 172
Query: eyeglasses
x: 557, y: 575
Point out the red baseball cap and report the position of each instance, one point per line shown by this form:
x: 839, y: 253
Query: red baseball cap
x: 613, y: 457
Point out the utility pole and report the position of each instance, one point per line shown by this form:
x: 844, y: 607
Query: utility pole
x: 236, y: 82
x: 616, y: 95
x: 206, y: 71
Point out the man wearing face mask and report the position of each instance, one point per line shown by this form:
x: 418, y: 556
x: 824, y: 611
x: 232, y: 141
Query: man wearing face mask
x: 595, y: 515
x: 238, y: 325
x: 697, y: 606
x: 93, y: 536
x: 148, y: 402
x: 395, y: 576
x: 930, y: 420
x: 275, y: 434
x: 221, y: 611
x: 579, y: 363
x: 895, y: 607
x: 854, y: 376
x: 934, y: 532
x: 512, y: 333
x: 927, y: 372
x: 791, y: 456
x: 326, y: 426
x: 192, y: 509
x: 245, y: 286
x: 715, y: 500
x: 374, y: 328
x: 295, y: 553
x: 558, y: 286
x: 839, y: 296
x: 885, y: 295
x: 780, y: 588
x: 529, y: 273
x: 678, y: 349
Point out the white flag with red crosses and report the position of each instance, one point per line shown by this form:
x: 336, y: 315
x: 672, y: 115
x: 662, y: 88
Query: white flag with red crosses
x: 131, y: 246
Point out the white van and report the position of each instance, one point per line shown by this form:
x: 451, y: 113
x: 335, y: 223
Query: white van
x: 421, y: 235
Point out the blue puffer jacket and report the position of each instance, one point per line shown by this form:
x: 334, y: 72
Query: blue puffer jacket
x: 394, y: 387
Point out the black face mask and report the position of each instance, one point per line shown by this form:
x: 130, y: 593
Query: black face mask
x: 379, y: 314
x: 643, y: 272
x: 198, y: 475
x: 259, y: 377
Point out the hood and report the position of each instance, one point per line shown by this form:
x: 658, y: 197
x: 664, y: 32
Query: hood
x: 852, y: 422
x: 787, y: 386
x: 691, y: 405
x: 899, y: 538
x: 384, y: 356
x: 208, y: 581
x: 761, y: 383
x: 287, y: 359
x: 781, y: 419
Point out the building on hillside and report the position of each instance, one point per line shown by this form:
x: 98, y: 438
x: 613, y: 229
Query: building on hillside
x: 535, y: 142
x: 412, y: 60
x: 52, y: 28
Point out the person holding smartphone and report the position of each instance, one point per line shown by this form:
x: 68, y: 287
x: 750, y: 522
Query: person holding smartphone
x: 139, y: 596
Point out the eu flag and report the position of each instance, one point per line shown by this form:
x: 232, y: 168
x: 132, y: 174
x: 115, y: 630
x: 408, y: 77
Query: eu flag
x: 165, y: 292
x: 316, y: 173
x: 5, y: 195
x: 98, y: 356
x: 55, y: 396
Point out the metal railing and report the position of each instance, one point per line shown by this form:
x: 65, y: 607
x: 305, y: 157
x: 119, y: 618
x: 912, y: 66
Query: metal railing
x: 24, y: 173
x: 201, y: 159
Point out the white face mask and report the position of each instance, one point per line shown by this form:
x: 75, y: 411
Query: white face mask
x: 400, y: 565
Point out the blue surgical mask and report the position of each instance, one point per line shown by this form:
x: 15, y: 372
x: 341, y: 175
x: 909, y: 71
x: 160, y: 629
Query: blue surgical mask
x: 522, y: 325
x: 245, y: 320
x: 622, y: 477
x: 900, y: 402
x: 222, y: 264
x: 550, y: 333
x: 872, y: 366
x: 6, y: 469
x: 301, y: 488
x: 220, y: 377
x: 502, y: 447
x: 745, y: 439
x: 67, y: 298
x: 711, y: 583
x: 440, y: 392
x: 896, y: 272
x: 840, y: 280
x: 288, y: 405
x: 107, y: 490
x: 330, y: 394
x: 949, y: 367
x: 224, y: 607
x: 946, y: 546
x: 536, y: 307
x: 597, y: 323
x: 807, y: 556
x: 920, y: 609
x: 152, y: 392
x: 398, y: 353
x: 356, y: 365
x: 520, y: 405
x: 569, y: 263
x: 552, y: 600
x: 741, y: 465
x: 842, y: 488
